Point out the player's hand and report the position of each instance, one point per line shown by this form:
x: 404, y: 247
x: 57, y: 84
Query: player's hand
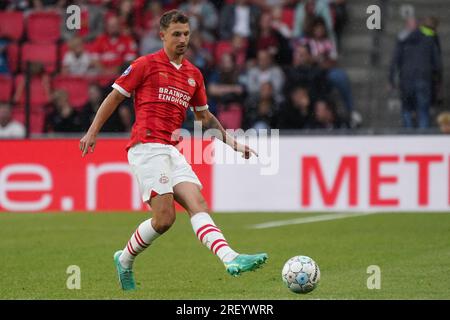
x: 88, y: 141
x: 245, y: 150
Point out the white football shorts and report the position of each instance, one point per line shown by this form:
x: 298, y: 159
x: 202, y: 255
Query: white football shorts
x: 158, y: 168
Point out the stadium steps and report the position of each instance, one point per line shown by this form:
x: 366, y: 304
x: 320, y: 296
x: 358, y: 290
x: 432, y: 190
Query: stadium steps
x: 354, y: 55
x: 379, y: 108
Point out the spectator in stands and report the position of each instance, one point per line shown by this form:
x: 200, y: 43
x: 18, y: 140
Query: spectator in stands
x: 430, y: 26
x: 198, y: 54
x: 151, y: 41
x: 416, y: 60
x: 431, y: 23
x: 16, y: 5
x: 147, y: 28
x: 240, y: 52
x: 37, y: 71
x: 339, y: 11
x: 119, y: 120
x: 113, y: 50
x: 203, y: 17
x: 9, y: 128
x: 266, y: 5
x: 322, y: 47
x: 240, y: 18
x: 149, y: 19
x: 270, y: 37
x: 265, y: 71
x: 4, y: 69
x: 48, y: 4
x: 306, y: 73
x: 224, y: 84
x: 77, y: 61
x: 92, y: 21
x: 325, y: 54
x: 296, y: 112
x: 62, y: 117
x: 410, y: 26
x: 305, y: 14
x: 326, y: 117
x: 278, y: 24
x: 443, y: 121
x: 261, y: 109
x: 125, y: 14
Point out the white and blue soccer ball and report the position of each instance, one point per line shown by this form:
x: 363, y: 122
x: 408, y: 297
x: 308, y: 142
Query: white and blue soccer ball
x: 301, y: 274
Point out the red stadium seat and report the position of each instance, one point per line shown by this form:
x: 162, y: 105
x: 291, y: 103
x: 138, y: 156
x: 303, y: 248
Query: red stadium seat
x: 231, y: 118
x: 6, y: 87
x: 13, y: 57
x: 76, y: 87
x: 11, y: 24
x: 44, y: 27
x: 45, y: 53
x: 38, y: 94
x: 37, y: 118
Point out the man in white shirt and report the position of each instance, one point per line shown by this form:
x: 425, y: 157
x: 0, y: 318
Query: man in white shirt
x: 9, y: 128
x: 239, y: 17
x: 77, y: 61
x: 265, y: 71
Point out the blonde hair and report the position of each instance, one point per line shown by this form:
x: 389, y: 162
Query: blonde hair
x: 444, y: 118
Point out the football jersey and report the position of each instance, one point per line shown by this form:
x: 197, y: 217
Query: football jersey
x: 114, y: 52
x: 162, y: 93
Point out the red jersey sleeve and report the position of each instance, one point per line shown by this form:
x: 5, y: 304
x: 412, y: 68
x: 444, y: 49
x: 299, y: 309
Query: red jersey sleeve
x: 199, y: 101
x: 132, y: 77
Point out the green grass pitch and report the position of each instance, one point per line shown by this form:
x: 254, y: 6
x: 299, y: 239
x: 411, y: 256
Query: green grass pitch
x: 412, y: 251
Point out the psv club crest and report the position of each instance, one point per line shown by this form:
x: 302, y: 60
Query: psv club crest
x: 191, y: 82
x: 164, y: 179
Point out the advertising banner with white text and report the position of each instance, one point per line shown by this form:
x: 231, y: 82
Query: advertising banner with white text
x: 385, y: 173
x: 393, y: 173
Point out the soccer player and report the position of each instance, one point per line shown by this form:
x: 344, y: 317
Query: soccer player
x: 165, y: 85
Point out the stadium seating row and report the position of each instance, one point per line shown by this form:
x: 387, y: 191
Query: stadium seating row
x: 76, y: 87
x: 38, y: 26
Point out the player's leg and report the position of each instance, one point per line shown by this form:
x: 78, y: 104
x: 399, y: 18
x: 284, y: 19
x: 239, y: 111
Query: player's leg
x: 189, y: 196
x: 163, y: 217
x: 163, y: 210
x: 151, y: 166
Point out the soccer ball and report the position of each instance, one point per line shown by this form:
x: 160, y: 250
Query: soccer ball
x: 301, y: 274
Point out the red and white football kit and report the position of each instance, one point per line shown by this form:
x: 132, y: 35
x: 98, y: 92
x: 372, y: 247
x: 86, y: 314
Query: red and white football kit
x: 162, y: 93
x: 114, y: 52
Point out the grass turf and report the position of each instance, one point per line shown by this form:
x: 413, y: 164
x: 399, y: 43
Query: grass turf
x: 412, y: 251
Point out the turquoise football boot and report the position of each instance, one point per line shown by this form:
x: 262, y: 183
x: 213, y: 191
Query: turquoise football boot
x: 245, y: 262
x: 126, y: 277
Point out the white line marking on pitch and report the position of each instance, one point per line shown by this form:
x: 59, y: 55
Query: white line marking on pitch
x: 323, y: 217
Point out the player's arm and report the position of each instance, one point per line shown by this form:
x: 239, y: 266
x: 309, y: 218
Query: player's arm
x: 107, y: 107
x: 209, y: 121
